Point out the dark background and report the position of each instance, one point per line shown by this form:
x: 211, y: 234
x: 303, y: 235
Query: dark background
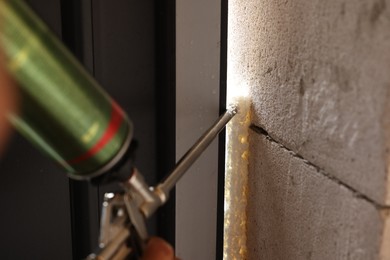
x: 129, y: 46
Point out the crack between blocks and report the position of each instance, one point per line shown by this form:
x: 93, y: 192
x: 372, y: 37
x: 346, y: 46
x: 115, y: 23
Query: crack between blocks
x: 356, y: 193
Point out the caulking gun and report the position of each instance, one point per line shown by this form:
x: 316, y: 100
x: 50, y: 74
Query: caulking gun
x: 68, y: 116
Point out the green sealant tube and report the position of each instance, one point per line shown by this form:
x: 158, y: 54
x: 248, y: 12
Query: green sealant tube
x: 64, y: 110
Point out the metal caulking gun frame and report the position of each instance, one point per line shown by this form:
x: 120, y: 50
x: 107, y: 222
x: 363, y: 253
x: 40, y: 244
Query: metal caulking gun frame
x: 140, y: 201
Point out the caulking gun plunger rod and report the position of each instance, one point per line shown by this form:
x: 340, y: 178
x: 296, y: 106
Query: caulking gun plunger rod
x: 157, y: 196
x: 196, y: 150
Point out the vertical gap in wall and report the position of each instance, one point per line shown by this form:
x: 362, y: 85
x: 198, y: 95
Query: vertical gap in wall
x: 166, y: 108
x: 83, y: 197
x: 222, y: 136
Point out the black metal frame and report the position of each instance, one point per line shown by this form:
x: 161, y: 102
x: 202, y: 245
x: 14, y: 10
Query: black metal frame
x: 222, y: 136
x: 84, y: 198
x: 166, y: 108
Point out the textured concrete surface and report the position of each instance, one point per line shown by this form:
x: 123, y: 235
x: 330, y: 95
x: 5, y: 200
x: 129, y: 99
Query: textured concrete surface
x: 320, y: 81
x: 318, y: 72
x: 295, y: 212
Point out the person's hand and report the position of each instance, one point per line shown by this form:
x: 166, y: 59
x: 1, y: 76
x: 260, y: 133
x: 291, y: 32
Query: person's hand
x: 158, y: 249
x: 7, y: 103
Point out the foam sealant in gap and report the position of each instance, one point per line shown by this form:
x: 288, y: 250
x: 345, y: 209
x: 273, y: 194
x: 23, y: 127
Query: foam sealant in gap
x: 236, y: 173
x: 237, y: 131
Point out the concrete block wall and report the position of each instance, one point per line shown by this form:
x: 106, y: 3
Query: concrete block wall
x: 319, y: 77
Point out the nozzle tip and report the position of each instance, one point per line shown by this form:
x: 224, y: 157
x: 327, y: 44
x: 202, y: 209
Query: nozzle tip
x: 232, y: 109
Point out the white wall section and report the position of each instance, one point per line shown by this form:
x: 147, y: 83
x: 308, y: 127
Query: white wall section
x: 197, y: 104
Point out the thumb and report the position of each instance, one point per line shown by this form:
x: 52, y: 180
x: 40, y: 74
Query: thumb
x: 158, y: 249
